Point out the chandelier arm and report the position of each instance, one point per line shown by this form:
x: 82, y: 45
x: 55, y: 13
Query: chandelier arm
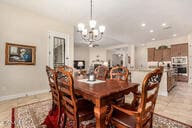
x: 85, y: 38
x: 99, y: 37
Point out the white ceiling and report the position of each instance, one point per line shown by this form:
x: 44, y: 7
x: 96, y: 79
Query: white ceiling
x: 122, y: 18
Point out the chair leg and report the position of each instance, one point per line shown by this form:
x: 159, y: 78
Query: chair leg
x: 62, y: 120
x: 151, y: 126
x: 76, y: 124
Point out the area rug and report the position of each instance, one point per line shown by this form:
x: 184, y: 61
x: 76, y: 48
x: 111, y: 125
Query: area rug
x: 33, y: 116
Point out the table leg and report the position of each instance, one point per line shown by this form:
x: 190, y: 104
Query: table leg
x: 100, y: 114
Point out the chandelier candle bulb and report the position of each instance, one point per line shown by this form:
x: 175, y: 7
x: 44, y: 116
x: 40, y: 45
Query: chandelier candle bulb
x: 102, y: 28
x: 81, y: 27
x: 92, y: 24
x: 84, y: 32
x: 95, y: 32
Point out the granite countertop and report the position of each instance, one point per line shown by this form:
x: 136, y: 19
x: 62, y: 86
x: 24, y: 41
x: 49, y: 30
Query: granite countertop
x: 145, y: 69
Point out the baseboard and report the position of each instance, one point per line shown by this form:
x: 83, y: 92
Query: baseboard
x: 9, y: 97
x: 163, y: 93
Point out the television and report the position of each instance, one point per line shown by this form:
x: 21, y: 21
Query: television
x: 76, y: 64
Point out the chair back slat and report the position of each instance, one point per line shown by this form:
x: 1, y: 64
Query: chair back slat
x: 65, y: 91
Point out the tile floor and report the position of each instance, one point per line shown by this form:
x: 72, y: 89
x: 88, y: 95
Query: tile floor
x: 178, y: 105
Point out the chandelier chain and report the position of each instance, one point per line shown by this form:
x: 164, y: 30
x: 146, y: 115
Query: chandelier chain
x: 91, y: 9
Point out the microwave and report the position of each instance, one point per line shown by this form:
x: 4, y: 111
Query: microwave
x: 180, y: 60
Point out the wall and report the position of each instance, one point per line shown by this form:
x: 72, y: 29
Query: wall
x: 109, y: 57
x: 190, y: 58
x: 141, y: 51
x: 116, y: 60
x: 25, y: 27
x: 100, y: 52
x: 82, y: 53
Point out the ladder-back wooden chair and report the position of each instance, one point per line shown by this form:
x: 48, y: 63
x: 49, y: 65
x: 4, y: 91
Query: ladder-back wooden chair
x: 76, y: 110
x: 140, y: 116
x: 119, y: 73
x: 52, y: 78
x: 101, y: 72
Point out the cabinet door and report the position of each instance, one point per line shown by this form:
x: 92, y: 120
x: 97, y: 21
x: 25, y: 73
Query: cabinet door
x: 167, y: 54
x: 151, y: 52
x: 175, y: 50
x: 183, y: 49
x: 158, y: 55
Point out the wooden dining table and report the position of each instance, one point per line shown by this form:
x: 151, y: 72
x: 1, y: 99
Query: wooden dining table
x: 103, y: 94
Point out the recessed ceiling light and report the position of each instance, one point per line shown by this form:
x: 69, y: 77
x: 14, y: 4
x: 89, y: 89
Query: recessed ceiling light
x: 174, y: 35
x: 151, y: 31
x: 163, y: 24
x: 143, y: 25
x: 153, y: 39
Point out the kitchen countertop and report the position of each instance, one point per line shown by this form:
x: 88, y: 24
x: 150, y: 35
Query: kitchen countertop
x: 143, y: 69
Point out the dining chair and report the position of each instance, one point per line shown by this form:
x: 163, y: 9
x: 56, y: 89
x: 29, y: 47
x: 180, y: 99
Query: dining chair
x: 74, y: 109
x: 101, y: 72
x: 119, y: 73
x: 141, y: 115
x: 66, y: 68
x: 52, y: 78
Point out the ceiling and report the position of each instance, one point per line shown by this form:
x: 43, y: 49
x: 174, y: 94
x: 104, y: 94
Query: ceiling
x: 122, y: 18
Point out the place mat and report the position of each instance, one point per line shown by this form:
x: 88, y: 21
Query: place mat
x: 91, y: 82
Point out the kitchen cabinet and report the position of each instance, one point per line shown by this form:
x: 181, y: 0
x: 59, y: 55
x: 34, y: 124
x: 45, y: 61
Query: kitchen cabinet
x: 182, y: 78
x: 179, y: 50
x: 167, y: 54
x: 163, y: 54
x: 171, y: 80
x: 151, y: 53
x: 158, y: 55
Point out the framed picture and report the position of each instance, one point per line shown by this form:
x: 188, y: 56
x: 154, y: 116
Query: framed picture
x: 17, y: 54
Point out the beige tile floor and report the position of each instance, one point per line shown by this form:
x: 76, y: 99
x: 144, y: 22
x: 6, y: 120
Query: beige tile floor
x: 178, y: 105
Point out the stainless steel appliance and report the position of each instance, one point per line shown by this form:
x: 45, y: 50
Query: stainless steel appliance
x: 180, y: 60
x: 180, y: 69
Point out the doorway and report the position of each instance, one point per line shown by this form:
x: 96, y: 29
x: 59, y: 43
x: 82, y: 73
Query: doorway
x: 58, y: 49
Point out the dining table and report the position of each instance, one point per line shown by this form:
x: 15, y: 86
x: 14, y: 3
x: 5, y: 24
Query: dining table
x: 103, y: 93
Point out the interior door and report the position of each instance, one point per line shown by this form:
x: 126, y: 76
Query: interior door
x: 58, y: 51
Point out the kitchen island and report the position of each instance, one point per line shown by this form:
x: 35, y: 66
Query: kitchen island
x: 167, y: 80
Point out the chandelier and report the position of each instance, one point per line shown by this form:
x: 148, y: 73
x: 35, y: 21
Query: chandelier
x: 92, y: 34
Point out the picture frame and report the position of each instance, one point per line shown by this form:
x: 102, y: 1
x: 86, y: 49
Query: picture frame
x: 17, y: 54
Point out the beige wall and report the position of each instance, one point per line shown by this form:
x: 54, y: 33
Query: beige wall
x: 94, y: 52
x: 24, y: 27
x: 82, y: 53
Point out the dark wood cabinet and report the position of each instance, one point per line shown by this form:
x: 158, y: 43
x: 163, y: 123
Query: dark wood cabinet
x: 162, y: 54
x: 158, y: 55
x: 179, y: 50
x: 182, y: 78
x: 167, y: 54
x: 151, y: 52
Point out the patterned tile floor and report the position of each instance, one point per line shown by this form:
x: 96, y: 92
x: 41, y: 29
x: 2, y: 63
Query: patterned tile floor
x: 178, y: 105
